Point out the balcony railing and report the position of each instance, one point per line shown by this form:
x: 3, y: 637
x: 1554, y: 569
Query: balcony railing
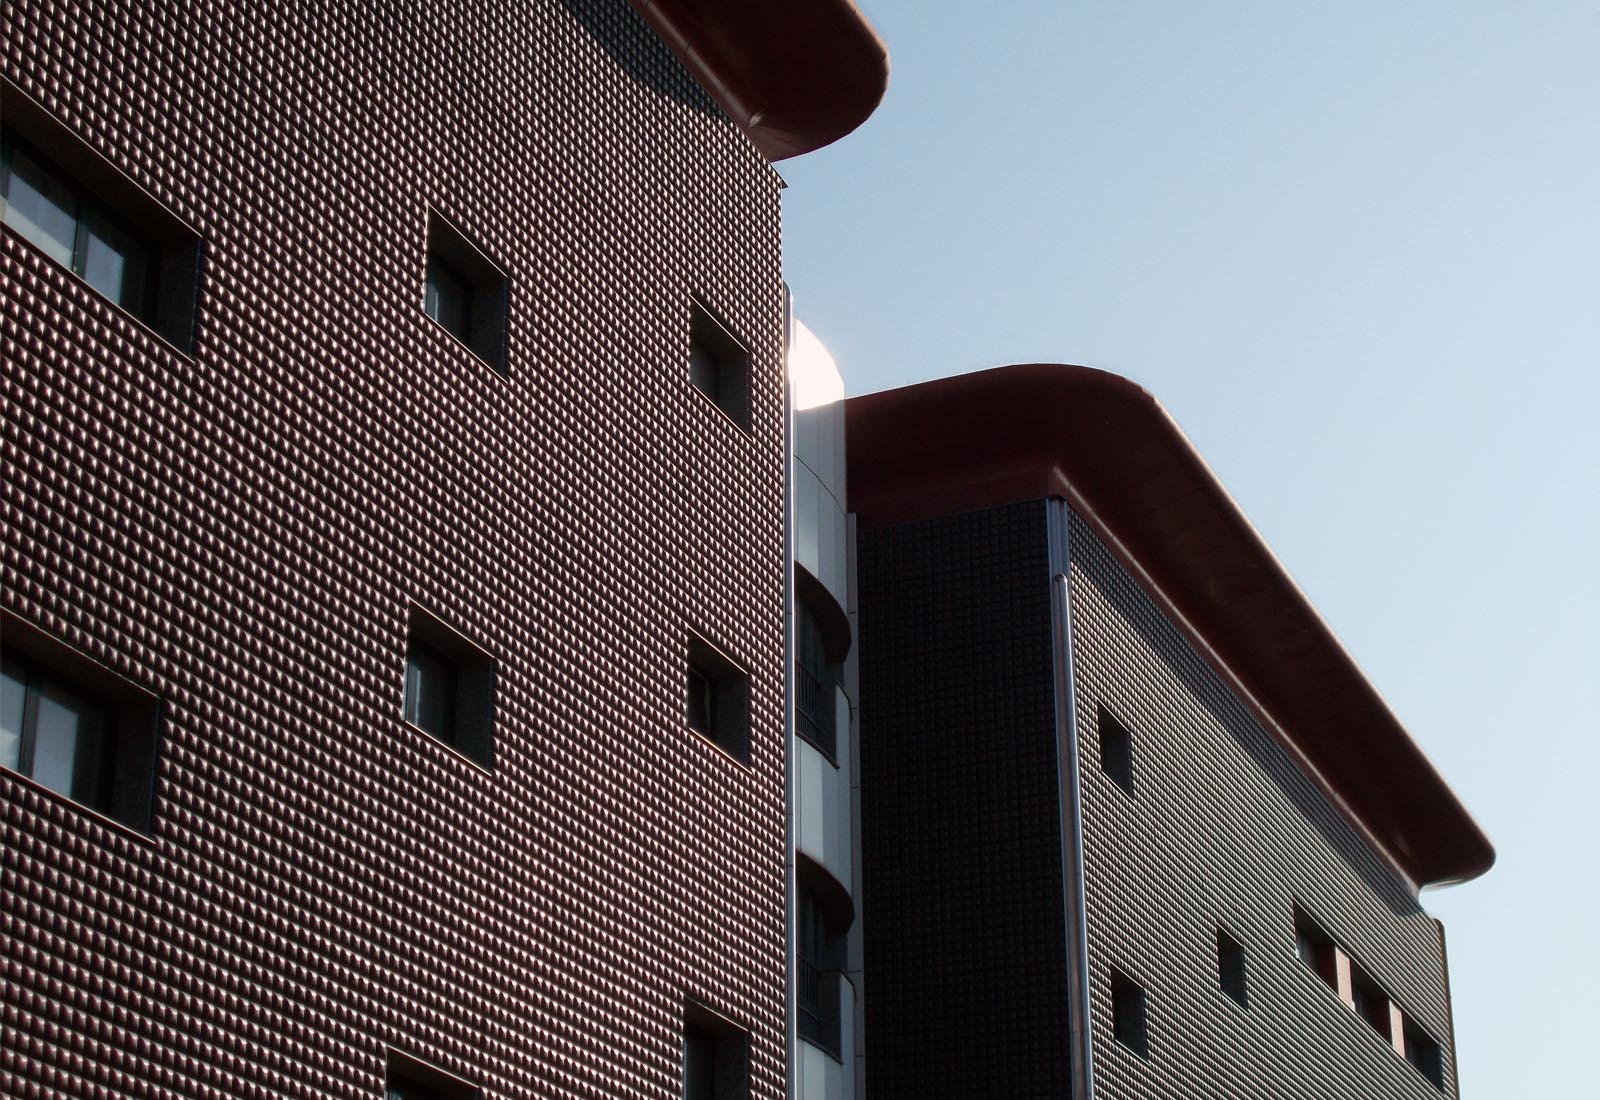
x: 814, y: 710
x: 817, y: 997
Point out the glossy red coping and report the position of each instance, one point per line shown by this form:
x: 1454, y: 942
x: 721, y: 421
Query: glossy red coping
x: 1107, y: 446
x: 794, y: 74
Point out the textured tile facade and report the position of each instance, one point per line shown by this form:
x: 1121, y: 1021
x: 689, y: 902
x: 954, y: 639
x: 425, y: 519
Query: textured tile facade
x: 1223, y: 828
x: 961, y: 844
x: 962, y: 861
x: 243, y: 532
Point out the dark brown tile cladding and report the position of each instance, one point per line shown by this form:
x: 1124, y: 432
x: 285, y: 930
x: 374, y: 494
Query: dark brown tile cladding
x: 243, y: 532
x: 965, y: 975
x: 1224, y: 829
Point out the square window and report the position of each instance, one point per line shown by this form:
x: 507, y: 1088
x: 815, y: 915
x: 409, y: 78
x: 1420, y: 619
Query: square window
x: 1128, y: 1023
x: 1315, y: 948
x: 1230, y: 968
x: 449, y: 690
x: 1424, y: 1053
x: 75, y: 727
x: 408, y: 1078
x: 718, y: 703
x: 465, y: 292
x: 84, y: 214
x: 719, y: 364
x: 716, y: 1056
x: 1116, y: 750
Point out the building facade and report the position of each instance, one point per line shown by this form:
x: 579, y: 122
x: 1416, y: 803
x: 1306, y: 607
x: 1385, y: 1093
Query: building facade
x: 1133, y: 823
x: 396, y: 438
x: 437, y: 662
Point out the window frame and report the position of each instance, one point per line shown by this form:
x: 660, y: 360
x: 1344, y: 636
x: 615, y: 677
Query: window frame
x: 168, y: 304
x: 1130, y: 1013
x: 474, y: 674
x: 729, y: 1044
x: 726, y: 691
x: 131, y: 715
x: 732, y: 361
x: 1233, y: 968
x: 1116, y: 750
x: 485, y: 284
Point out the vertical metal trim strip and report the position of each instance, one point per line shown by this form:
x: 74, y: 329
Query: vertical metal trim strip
x: 1058, y: 518
x: 791, y: 833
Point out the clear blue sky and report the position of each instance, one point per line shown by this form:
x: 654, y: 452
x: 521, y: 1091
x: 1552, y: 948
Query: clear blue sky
x: 1355, y: 249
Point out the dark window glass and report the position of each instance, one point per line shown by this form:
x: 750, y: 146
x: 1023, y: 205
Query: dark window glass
x: 1425, y: 1054
x: 719, y: 365
x: 702, y: 703
x: 1371, y: 1003
x: 40, y: 205
x: 814, y: 683
x: 72, y: 228
x: 699, y: 1066
x: 1116, y: 750
x: 54, y: 734
x: 430, y: 691
x: 1230, y: 967
x: 465, y: 291
x: 716, y: 1058
x: 718, y: 698
x: 819, y: 954
x: 449, y: 298
x: 1315, y: 948
x: 408, y: 1078
x: 1128, y: 1023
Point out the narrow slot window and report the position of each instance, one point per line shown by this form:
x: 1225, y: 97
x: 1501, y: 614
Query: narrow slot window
x: 449, y: 688
x: 719, y: 365
x: 1129, y: 1025
x: 1116, y: 750
x: 1315, y: 948
x: 718, y: 698
x: 1231, y: 968
x: 1371, y: 1003
x: 465, y: 292
x: 1424, y: 1054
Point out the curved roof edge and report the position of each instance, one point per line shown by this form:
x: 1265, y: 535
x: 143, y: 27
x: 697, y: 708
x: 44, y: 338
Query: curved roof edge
x: 794, y: 74
x: 1108, y: 447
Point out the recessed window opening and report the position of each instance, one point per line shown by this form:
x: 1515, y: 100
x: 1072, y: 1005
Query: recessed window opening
x: 1371, y: 1003
x: 815, y: 680
x: 75, y: 727
x: 820, y: 930
x: 408, y: 1078
x: 1231, y: 968
x: 1424, y: 1054
x: 86, y: 215
x: 1129, y: 1025
x: 449, y: 688
x: 719, y: 364
x: 716, y: 1056
x: 718, y: 698
x: 1116, y: 750
x: 465, y: 291
x: 1316, y: 948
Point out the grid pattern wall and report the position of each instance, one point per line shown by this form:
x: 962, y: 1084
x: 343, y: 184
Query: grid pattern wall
x: 243, y: 532
x: 1223, y: 829
x: 960, y: 823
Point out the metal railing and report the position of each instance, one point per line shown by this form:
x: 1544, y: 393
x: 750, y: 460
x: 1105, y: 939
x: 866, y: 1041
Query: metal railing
x: 817, y: 998
x: 814, y: 709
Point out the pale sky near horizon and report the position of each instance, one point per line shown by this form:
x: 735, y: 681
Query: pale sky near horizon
x: 1355, y: 250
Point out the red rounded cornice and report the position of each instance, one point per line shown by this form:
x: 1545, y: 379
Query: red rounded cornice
x: 1107, y: 446
x: 794, y: 74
